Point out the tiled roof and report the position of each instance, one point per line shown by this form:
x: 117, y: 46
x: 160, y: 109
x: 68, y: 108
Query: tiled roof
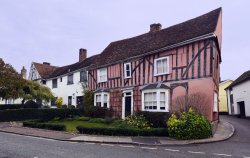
x: 151, y: 41
x: 44, y: 70
x: 73, y: 67
x: 244, y: 77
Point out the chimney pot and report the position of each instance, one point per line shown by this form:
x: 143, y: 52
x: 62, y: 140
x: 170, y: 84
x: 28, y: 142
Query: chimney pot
x: 82, y: 54
x: 155, y: 27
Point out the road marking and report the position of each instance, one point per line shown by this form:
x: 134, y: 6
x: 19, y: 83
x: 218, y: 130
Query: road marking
x: 171, y: 150
x: 196, y: 152
x: 246, y: 156
x: 222, y: 154
x: 127, y: 146
x: 148, y: 148
x: 107, y: 144
x: 89, y: 143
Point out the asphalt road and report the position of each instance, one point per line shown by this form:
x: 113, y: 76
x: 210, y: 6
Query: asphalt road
x: 16, y: 146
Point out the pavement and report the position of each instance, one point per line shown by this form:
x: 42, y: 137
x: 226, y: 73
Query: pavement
x: 223, y: 132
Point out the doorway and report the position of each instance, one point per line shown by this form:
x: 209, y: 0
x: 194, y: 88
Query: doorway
x: 242, y: 109
x: 127, y: 103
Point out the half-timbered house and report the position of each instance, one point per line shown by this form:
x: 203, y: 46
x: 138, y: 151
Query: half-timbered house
x: 149, y: 71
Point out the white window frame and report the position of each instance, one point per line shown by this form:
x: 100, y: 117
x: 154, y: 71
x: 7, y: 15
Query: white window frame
x: 215, y: 108
x: 155, y: 66
x: 102, y: 98
x: 125, y: 70
x: 99, y: 73
x: 158, y: 92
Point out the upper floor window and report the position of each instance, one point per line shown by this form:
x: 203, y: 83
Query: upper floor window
x: 83, y: 76
x: 161, y: 66
x: 54, y: 83
x: 155, y: 100
x: 70, y: 79
x: 102, y: 75
x: 127, y: 70
x: 61, y: 79
x: 101, y: 99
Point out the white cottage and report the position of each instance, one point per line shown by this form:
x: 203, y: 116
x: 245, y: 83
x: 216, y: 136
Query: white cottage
x: 238, y: 96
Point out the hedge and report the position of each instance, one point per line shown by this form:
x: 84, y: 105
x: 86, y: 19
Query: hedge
x: 156, y: 119
x: 18, y: 106
x: 56, y: 127
x: 43, y: 114
x: 98, y: 112
x: 122, y: 131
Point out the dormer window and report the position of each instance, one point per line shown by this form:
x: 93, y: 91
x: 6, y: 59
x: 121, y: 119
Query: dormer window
x: 127, y: 70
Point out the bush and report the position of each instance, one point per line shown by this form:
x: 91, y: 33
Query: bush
x: 59, y: 102
x: 88, y: 99
x: 101, y: 120
x: 82, y: 118
x: 155, y: 119
x: 30, y: 104
x: 122, y: 131
x: 71, y: 107
x: 18, y: 106
x: 137, y: 121
x: 44, y: 114
x: 189, y: 126
x: 57, y: 127
x: 98, y: 112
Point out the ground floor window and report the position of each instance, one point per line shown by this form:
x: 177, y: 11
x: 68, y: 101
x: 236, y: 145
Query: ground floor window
x: 69, y: 100
x: 101, y: 99
x: 155, y: 100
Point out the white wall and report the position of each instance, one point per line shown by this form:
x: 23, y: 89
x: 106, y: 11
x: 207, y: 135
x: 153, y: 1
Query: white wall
x: 241, y: 92
x: 11, y: 101
x: 64, y: 90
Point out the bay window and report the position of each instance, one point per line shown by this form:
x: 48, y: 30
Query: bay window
x: 155, y: 100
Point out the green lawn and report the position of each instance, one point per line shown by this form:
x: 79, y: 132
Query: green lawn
x: 71, y: 124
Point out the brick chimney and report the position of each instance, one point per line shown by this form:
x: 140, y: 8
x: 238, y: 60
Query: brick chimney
x: 155, y: 27
x: 46, y: 63
x: 24, y: 72
x: 82, y: 54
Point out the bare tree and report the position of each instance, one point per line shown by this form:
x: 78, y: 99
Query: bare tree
x: 197, y: 101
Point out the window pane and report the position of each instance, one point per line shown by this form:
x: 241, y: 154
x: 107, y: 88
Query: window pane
x: 162, y: 96
x: 164, y: 65
x: 105, y: 99
x: 127, y: 67
x: 159, y: 67
x: 154, y: 96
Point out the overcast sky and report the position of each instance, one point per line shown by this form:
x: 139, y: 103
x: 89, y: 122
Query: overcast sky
x: 54, y: 30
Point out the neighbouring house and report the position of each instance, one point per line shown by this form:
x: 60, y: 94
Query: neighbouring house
x: 147, y: 72
x: 223, y: 109
x: 67, y: 82
x: 238, y: 92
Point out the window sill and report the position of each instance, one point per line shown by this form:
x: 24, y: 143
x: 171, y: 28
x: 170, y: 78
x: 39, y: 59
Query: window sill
x: 156, y: 110
x: 101, y: 81
x: 161, y: 74
x: 127, y: 77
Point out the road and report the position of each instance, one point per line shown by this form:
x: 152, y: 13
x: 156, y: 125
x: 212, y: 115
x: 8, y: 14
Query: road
x: 16, y: 146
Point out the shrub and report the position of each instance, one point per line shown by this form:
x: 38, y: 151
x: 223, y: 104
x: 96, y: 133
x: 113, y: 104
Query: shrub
x: 155, y: 119
x: 71, y: 107
x: 101, y: 120
x: 57, y: 127
x: 82, y: 118
x: 45, y: 107
x: 88, y: 99
x: 189, y: 126
x: 122, y: 131
x: 30, y: 104
x: 64, y: 106
x: 18, y: 106
x: 98, y: 112
x: 59, y: 102
x: 44, y: 114
x: 137, y: 121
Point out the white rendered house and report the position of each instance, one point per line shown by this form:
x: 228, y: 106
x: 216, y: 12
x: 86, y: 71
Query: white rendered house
x: 238, y: 96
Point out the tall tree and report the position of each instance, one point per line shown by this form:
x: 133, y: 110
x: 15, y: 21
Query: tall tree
x: 10, y: 81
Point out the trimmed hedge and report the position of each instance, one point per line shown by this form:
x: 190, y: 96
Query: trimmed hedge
x: 156, y: 119
x: 43, y: 114
x: 98, y: 112
x: 19, y: 106
x: 122, y: 131
x: 56, y: 127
